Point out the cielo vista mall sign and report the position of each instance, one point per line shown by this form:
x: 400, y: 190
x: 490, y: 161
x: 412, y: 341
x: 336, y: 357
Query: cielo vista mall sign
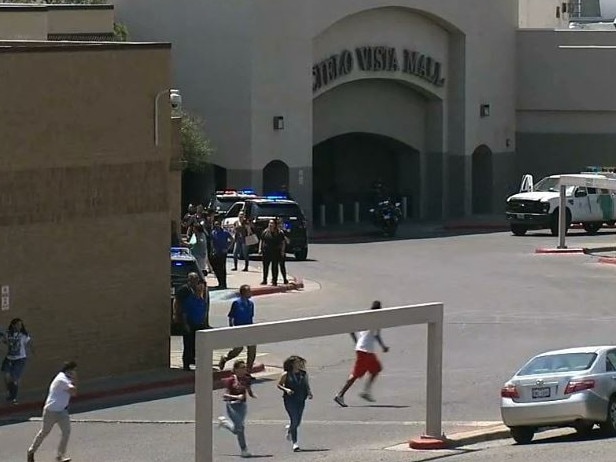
x: 377, y: 59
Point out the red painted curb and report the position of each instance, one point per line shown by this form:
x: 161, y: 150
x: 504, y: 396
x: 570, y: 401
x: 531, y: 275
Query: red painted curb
x: 428, y: 442
x: 555, y: 251
x: 188, y: 378
x: 608, y: 260
x: 268, y: 290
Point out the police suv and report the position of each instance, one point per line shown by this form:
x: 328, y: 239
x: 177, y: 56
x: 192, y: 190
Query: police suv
x: 222, y: 201
x: 536, y: 206
x: 260, y: 210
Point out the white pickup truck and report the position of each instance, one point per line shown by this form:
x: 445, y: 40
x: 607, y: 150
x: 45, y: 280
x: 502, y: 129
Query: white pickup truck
x: 536, y: 206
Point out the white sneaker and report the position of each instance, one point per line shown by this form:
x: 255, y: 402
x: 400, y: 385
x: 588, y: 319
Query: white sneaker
x: 367, y: 396
x: 296, y: 448
x: 246, y: 454
x: 223, y: 422
x: 288, y: 433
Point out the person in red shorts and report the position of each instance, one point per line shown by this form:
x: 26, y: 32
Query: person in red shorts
x: 366, y: 361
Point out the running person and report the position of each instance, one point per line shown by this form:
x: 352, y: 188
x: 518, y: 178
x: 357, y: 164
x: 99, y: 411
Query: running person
x: 296, y: 388
x: 19, y: 342
x: 365, y: 361
x: 237, y: 389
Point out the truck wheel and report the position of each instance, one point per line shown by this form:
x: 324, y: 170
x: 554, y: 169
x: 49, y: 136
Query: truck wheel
x: 522, y: 435
x: 554, y: 222
x: 301, y: 255
x: 592, y: 228
x: 519, y: 230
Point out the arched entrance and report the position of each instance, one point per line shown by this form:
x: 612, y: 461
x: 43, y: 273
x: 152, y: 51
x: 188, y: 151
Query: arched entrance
x: 482, y: 180
x: 275, y: 177
x: 346, y: 166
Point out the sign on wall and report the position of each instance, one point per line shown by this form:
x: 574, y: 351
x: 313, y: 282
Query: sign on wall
x: 6, y: 298
x: 377, y: 59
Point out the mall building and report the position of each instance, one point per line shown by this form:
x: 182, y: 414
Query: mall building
x: 448, y: 102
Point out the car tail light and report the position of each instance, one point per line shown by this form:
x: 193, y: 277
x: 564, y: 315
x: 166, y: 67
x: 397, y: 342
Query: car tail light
x: 579, y: 385
x: 509, y: 391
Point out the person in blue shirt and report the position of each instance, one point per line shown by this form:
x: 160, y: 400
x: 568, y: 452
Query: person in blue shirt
x: 191, y: 310
x: 241, y: 314
x: 221, y: 241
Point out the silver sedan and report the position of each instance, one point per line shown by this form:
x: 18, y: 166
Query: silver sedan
x: 575, y: 387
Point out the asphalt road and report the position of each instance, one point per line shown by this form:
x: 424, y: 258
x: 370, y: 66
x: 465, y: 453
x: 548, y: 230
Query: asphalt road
x: 503, y: 304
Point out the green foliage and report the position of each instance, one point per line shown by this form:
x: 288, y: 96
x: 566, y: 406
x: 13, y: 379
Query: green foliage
x: 120, y: 32
x: 196, y: 146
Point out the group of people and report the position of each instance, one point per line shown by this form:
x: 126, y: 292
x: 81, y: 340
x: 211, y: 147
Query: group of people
x: 210, y: 244
x: 19, y: 346
x: 295, y: 385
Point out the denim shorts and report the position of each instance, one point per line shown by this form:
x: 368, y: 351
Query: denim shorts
x: 13, y: 367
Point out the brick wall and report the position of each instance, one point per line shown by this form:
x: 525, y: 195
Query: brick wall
x: 84, y: 205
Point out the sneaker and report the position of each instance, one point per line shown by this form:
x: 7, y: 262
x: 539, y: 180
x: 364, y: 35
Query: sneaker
x: 296, y: 448
x: 367, y: 396
x: 30, y: 457
x: 245, y: 269
x: 286, y: 281
x: 263, y: 283
x: 221, y: 363
x: 340, y: 401
x: 234, y: 269
x: 288, y: 433
x: 63, y: 459
x: 246, y: 454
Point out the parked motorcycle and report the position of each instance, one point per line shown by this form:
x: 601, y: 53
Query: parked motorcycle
x: 386, y: 216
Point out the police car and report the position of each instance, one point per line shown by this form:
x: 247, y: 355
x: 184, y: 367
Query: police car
x: 536, y: 206
x: 182, y: 263
x: 260, y: 210
x: 222, y: 201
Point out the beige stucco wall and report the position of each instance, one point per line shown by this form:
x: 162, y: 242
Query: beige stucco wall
x: 74, y: 20
x: 22, y: 24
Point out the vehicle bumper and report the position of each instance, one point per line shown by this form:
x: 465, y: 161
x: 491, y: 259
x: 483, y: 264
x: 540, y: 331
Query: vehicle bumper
x: 297, y: 245
x: 530, y: 219
x: 580, y: 406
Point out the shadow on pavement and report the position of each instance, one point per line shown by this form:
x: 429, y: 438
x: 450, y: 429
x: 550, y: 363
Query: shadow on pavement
x: 573, y: 437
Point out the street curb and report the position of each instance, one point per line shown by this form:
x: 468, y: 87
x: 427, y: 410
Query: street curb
x: 556, y: 251
x: 461, y: 439
x: 608, y: 260
x: 188, y: 378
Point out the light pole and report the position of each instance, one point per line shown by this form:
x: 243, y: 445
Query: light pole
x: 175, y: 98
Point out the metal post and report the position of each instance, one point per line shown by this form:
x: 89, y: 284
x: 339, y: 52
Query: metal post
x: 405, y: 204
x: 322, y: 215
x: 434, y: 379
x: 356, y: 212
x: 341, y: 214
x: 204, y: 384
x: 562, y: 217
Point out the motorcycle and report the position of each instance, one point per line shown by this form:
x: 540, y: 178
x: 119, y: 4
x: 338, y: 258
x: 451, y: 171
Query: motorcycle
x: 386, y: 216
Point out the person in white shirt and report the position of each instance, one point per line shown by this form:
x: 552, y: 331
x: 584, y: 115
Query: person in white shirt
x: 18, y: 343
x: 55, y: 411
x: 365, y: 361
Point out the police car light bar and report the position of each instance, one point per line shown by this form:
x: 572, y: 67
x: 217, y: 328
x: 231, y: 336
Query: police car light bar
x: 274, y: 198
x: 248, y: 191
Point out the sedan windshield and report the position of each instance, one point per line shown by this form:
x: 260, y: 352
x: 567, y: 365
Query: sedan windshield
x: 550, y: 184
x: 568, y: 362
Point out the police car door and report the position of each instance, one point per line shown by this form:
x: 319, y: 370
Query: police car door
x: 581, y: 208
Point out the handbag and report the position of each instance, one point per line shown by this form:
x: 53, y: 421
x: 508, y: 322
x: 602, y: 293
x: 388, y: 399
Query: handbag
x: 252, y: 239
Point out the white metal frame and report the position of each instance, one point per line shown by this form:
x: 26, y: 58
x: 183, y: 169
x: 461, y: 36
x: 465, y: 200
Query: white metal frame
x: 568, y: 180
x: 319, y: 326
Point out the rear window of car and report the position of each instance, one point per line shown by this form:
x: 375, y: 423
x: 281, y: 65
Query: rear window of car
x: 567, y: 362
x: 277, y: 210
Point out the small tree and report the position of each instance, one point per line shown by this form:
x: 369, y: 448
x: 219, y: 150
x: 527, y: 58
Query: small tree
x: 196, y: 146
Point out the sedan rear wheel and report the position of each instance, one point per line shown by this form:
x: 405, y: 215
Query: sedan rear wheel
x: 609, y: 426
x: 522, y: 435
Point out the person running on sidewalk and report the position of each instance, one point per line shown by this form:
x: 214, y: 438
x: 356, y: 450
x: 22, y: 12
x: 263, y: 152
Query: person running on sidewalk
x: 55, y: 411
x: 237, y: 390
x: 242, y: 313
x: 295, y: 386
x: 18, y: 342
x: 191, y: 310
x: 365, y: 361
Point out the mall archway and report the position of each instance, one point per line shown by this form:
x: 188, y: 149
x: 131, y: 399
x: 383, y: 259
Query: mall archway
x: 275, y: 177
x: 482, y: 180
x: 346, y: 166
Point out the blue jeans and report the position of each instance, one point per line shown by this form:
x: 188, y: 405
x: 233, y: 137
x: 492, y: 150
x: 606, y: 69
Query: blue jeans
x: 237, y: 414
x: 295, y: 409
x: 240, y: 249
x: 13, y: 369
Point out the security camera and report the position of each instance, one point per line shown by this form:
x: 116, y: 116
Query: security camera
x: 175, y: 97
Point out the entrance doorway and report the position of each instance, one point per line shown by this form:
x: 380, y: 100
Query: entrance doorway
x: 345, y: 168
x: 275, y: 177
